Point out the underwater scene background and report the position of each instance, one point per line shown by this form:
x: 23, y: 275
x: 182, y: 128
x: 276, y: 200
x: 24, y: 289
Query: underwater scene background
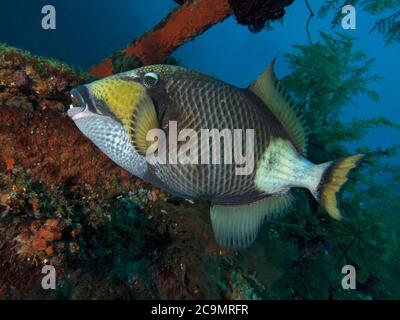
x: 109, y: 235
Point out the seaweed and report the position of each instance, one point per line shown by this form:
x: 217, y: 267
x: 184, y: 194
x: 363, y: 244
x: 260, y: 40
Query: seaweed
x: 387, y: 25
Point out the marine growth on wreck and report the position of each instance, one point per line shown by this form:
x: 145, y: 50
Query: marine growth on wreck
x: 105, y: 174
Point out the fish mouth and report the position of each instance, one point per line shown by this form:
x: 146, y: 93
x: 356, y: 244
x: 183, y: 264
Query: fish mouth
x: 82, y: 105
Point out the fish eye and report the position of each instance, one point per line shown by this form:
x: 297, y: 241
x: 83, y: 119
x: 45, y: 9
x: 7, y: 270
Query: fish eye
x: 150, y: 79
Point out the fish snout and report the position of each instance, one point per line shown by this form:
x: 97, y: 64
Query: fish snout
x: 82, y: 103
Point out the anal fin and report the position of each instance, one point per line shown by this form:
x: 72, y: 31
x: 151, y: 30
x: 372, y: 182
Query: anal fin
x: 237, y: 226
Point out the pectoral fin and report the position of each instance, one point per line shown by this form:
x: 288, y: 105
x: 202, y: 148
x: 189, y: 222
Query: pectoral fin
x: 237, y: 226
x: 144, y: 118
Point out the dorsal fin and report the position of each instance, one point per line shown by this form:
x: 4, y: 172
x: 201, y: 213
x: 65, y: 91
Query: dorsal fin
x: 144, y: 118
x: 276, y: 98
x: 237, y: 226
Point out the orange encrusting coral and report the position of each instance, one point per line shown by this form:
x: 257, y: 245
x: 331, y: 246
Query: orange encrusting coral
x: 10, y: 164
x: 36, y: 134
x: 181, y: 25
x: 35, y: 241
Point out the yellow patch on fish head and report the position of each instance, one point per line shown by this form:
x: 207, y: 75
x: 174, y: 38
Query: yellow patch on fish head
x: 121, y: 96
x: 129, y: 101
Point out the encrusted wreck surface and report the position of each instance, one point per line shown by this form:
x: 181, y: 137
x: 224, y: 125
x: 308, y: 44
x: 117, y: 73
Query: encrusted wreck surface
x: 35, y: 132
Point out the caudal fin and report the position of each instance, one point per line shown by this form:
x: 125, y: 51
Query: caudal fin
x: 333, y: 179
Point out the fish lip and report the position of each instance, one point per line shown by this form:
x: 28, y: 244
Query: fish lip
x: 74, y: 111
x: 82, y: 114
x: 82, y: 96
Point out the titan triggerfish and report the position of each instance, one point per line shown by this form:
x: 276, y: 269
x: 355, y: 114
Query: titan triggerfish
x: 257, y: 132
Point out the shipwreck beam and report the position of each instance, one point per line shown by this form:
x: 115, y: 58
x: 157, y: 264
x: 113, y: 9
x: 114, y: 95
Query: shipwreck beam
x: 181, y: 25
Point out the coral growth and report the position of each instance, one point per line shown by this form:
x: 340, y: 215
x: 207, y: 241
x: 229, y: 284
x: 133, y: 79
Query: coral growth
x: 183, y: 255
x: 36, y: 134
x: 254, y: 13
x: 38, y: 239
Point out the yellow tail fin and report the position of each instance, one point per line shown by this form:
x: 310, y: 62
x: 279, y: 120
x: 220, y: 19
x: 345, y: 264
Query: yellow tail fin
x: 332, y: 181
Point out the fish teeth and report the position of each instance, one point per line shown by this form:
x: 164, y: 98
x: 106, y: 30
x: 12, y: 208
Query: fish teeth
x: 71, y: 106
